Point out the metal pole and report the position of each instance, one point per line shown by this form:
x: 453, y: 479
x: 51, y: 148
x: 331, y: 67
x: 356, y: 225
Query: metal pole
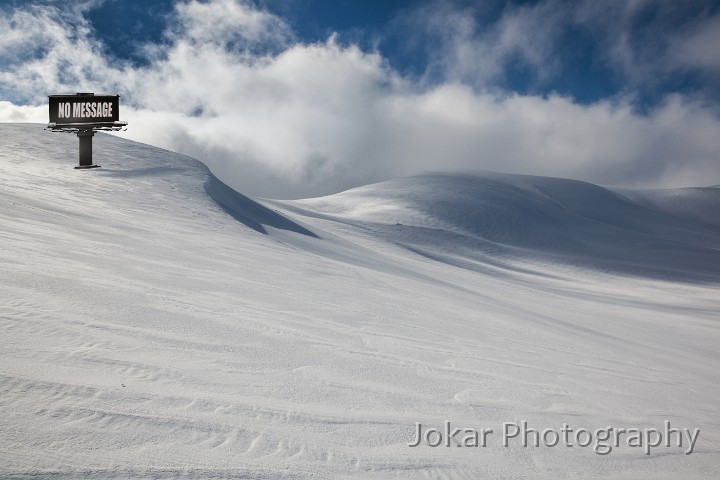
x: 85, y: 138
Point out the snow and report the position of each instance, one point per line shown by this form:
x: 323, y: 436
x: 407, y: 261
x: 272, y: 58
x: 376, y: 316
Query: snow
x: 157, y: 324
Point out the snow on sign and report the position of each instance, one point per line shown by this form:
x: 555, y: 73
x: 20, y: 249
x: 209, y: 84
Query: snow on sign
x: 84, y: 114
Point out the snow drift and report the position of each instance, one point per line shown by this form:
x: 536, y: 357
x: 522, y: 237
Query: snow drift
x: 157, y: 324
x: 660, y: 233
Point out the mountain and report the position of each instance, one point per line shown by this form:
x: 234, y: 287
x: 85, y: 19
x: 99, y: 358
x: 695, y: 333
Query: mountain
x: 158, y: 324
x: 528, y: 218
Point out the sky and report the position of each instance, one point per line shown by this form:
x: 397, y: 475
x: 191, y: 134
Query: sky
x: 300, y: 98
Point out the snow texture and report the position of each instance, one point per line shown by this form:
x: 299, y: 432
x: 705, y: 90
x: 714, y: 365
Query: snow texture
x: 155, y: 323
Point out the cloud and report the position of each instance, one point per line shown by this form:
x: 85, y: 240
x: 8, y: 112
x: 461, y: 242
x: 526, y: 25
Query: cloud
x: 275, y: 117
x: 9, y: 112
x: 229, y: 24
x: 697, y: 47
x: 48, y: 49
x: 463, y: 47
x: 648, y: 42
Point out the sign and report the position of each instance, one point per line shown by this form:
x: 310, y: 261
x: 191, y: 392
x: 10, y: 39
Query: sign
x: 85, y: 114
x: 84, y: 108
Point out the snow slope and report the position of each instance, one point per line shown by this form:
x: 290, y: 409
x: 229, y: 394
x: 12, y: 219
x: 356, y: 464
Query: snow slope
x: 156, y: 324
x: 539, y: 218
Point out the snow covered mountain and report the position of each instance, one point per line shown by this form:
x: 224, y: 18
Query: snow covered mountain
x: 537, y: 218
x: 157, y: 324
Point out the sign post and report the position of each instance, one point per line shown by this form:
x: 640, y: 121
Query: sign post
x: 84, y: 114
x: 85, y: 137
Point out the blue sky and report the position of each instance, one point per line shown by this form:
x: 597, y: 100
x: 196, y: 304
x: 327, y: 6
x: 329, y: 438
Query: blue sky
x: 325, y: 95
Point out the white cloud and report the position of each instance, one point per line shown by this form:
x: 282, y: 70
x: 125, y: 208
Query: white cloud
x: 461, y: 48
x: 648, y: 41
x: 9, y: 112
x: 699, y: 47
x: 229, y: 24
x: 278, y: 118
x: 70, y: 58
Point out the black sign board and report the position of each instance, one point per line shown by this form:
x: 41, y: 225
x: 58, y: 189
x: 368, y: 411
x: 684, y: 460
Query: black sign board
x: 84, y: 114
x: 84, y: 109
